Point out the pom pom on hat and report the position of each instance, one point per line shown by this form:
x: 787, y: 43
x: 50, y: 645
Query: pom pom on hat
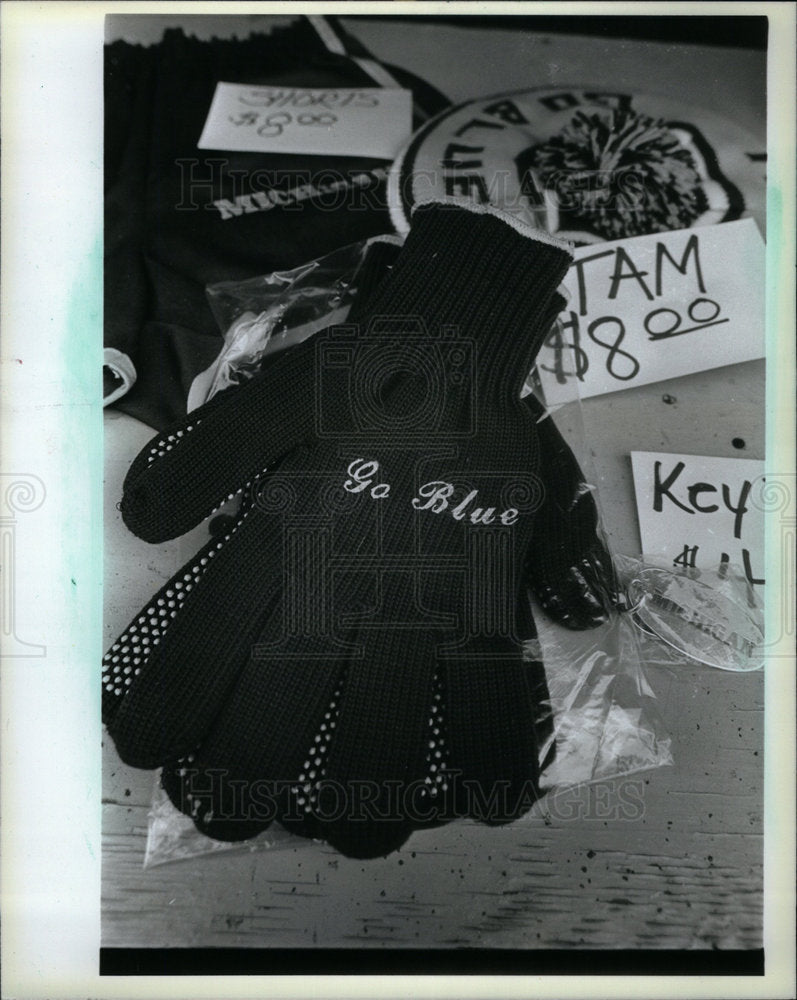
x: 620, y: 173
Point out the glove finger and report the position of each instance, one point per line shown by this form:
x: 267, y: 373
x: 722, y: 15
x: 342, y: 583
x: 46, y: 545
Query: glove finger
x: 217, y: 809
x: 213, y: 623
x: 378, y: 757
x: 185, y: 473
x: 490, y: 737
x: 130, y: 653
x: 374, y: 838
x: 347, y: 814
x: 231, y: 809
x: 584, y: 594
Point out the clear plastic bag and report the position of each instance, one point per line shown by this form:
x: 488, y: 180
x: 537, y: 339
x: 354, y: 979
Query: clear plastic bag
x: 266, y: 314
x: 605, y: 721
x: 597, y: 713
x: 172, y: 836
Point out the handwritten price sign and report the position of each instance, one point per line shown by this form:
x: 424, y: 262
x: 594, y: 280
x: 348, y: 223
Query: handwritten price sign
x: 370, y: 122
x: 701, y: 512
x: 657, y: 307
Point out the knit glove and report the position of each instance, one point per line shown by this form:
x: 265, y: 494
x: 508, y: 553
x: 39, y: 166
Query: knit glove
x: 571, y: 576
x: 360, y: 616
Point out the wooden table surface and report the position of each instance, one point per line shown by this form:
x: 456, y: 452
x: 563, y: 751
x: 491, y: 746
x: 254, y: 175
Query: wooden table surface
x: 681, y: 869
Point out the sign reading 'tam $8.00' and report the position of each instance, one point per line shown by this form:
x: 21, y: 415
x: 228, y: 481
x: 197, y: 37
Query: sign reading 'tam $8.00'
x: 657, y: 307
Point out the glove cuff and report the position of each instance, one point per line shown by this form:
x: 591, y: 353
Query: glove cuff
x: 516, y: 222
x: 483, y: 272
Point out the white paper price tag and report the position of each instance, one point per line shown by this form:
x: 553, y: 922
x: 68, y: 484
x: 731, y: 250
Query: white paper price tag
x: 698, y: 512
x: 657, y: 307
x: 369, y: 122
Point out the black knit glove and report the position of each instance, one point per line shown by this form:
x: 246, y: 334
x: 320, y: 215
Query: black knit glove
x: 570, y: 574
x: 366, y: 596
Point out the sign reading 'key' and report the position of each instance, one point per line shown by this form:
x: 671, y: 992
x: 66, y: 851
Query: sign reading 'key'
x: 657, y: 307
x: 701, y: 512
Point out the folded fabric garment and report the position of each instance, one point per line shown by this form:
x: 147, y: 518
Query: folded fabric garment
x: 178, y: 217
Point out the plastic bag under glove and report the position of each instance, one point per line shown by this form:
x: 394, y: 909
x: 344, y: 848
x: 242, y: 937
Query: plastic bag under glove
x: 270, y: 313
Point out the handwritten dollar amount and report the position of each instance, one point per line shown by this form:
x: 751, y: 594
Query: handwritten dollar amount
x: 277, y: 122
x: 609, y: 333
x: 687, y: 558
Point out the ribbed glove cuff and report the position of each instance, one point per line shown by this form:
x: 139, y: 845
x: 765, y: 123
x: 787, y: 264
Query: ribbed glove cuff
x: 480, y: 265
x: 483, y: 272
